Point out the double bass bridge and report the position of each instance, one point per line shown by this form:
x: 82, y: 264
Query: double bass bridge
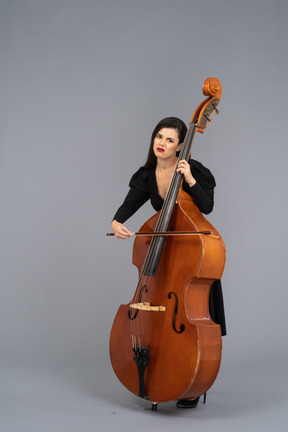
x: 146, y: 306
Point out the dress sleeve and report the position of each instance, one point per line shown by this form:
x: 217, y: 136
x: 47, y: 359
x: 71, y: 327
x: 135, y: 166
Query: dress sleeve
x: 136, y: 197
x: 203, y: 190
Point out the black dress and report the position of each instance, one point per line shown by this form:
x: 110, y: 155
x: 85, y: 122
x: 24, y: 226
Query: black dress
x: 143, y: 186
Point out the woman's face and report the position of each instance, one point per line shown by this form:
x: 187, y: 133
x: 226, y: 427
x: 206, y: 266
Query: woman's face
x: 166, y: 143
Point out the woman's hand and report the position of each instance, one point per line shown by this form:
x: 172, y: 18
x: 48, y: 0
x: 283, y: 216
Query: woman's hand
x: 119, y: 230
x: 184, y: 168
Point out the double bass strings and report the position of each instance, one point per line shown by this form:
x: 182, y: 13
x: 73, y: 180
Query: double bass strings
x: 155, y: 246
x: 144, y: 282
x: 137, y: 325
x: 154, y: 253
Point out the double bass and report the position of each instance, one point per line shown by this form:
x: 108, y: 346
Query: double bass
x: 164, y: 345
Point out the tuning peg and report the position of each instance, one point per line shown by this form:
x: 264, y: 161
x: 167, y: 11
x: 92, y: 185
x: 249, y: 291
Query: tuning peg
x: 208, y: 119
x: 215, y: 108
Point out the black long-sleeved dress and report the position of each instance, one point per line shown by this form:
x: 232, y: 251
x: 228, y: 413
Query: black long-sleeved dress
x: 143, y: 186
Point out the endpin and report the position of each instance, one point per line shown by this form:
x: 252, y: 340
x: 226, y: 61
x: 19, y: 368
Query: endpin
x: 154, y: 406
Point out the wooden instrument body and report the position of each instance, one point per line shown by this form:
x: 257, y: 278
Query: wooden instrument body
x: 183, y: 364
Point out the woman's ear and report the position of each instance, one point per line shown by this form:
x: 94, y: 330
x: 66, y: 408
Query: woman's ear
x: 179, y: 147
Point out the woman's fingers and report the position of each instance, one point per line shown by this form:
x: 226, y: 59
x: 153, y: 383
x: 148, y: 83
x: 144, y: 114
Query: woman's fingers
x: 120, y: 230
x: 184, y: 168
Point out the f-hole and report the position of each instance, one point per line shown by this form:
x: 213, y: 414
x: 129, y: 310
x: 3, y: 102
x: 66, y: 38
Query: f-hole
x: 182, y: 326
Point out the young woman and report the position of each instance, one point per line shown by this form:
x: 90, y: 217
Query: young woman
x: 152, y: 182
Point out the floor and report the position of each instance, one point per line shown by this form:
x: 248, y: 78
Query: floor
x: 90, y: 400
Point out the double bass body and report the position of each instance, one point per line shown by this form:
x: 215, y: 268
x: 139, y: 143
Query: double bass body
x: 184, y: 343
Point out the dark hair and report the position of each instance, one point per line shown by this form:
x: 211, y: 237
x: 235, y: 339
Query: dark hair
x: 170, y: 123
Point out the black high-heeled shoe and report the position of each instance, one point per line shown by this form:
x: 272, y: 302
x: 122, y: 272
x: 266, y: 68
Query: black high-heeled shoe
x: 187, y: 403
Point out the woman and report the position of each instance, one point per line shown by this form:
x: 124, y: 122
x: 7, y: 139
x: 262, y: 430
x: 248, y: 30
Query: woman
x: 152, y: 182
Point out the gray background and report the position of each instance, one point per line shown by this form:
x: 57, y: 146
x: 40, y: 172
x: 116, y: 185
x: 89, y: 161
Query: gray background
x: 83, y: 84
